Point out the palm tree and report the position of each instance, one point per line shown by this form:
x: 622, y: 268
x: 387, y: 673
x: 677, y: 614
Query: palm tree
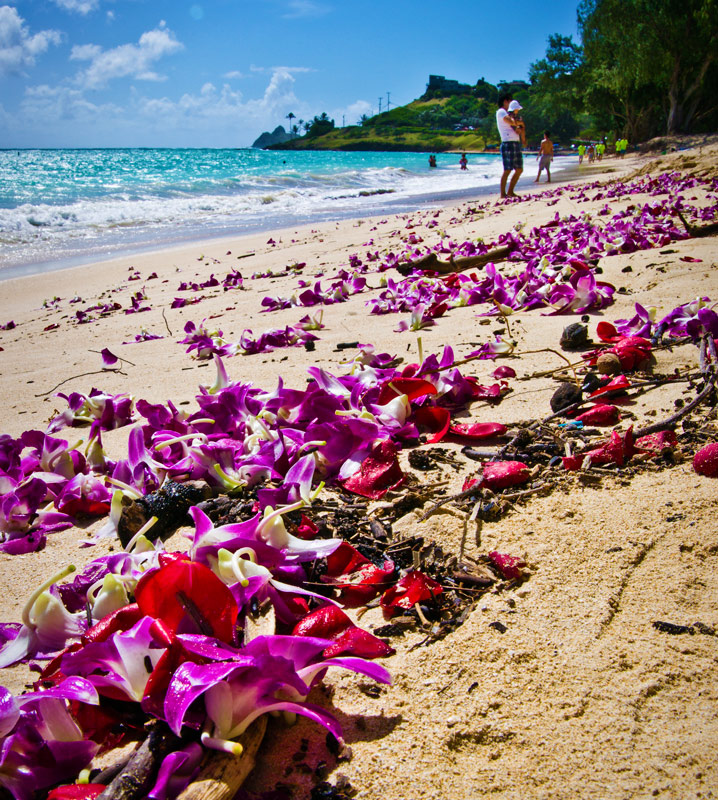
x: 290, y: 116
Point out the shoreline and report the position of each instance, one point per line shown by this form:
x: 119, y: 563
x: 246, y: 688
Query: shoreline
x: 438, y: 199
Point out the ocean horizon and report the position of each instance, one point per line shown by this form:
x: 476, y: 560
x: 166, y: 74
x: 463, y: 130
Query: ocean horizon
x: 66, y: 207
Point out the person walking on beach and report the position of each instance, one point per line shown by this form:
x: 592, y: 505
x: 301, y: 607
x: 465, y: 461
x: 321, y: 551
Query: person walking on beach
x: 511, y: 155
x: 581, y: 153
x: 545, y: 156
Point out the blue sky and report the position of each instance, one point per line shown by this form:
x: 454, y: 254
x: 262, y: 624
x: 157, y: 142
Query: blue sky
x: 216, y: 73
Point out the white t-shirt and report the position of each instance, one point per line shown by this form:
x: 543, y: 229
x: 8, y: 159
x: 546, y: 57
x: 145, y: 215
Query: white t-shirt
x: 506, y: 132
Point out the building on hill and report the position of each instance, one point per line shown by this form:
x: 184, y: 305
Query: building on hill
x: 440, y: 86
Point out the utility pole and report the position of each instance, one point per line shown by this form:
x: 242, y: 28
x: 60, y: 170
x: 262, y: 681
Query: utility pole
x: 388, y: 95
x: 380, y: 105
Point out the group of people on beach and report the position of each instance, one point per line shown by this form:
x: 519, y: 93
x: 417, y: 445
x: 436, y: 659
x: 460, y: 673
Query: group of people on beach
x: 595, y: 151
x: 512, y: 132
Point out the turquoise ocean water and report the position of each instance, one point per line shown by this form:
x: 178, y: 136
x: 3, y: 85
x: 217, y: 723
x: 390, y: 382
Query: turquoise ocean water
x: 64, y: 207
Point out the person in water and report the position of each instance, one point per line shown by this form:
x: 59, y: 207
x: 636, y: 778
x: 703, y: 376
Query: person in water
x: 545, y: 156
x: 463, y: 161
x: 432, y: 160
x: 511, y: 154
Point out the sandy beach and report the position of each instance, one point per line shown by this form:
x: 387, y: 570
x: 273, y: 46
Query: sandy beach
x: 557, y: 686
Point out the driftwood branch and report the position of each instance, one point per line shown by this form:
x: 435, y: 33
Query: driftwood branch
x: 223, y: 774
x: 698, y: 231
x: 432, y: 263
x: 136, y: 778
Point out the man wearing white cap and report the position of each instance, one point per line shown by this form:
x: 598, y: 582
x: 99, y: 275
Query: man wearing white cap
x: 510, y: 130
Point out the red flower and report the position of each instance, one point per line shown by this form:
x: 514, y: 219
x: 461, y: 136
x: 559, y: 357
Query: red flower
x: 600, y: 414
x: 617, y: 450
x: 631, y: 351
x: 121, y: 620
x: 379, y: 472
x: 607, y: 332
x: 413, y: 388
x: 478, y: 430
x: 434, y: 419
x: 502, y: 474
x: 657, y: 443
x: 413, y: 588
x: 77, y: 791
x: 306, y: 529
x: 330, y: 622
x: 179, y: 585
x: 618, y: 385
x: 705, y: 461
x: 357, y: 579
x: 509, y: 566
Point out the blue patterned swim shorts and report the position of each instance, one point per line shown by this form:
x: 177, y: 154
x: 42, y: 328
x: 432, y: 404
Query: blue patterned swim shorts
x: 512, y: 156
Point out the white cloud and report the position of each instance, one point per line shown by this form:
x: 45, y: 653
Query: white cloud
x: 127, y: 60
x: 211, y: 116
x: 60, y: 103
x: 18, y: 48
x: 353, y: 112
x: 81, y: 6
x: 305, y: 8
x: 233, y: 75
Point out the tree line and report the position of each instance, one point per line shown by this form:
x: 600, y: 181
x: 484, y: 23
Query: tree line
x: 643, y: 68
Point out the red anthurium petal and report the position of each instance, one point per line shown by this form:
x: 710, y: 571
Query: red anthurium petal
x: 121, y: 620
x: 504, y: 372
x: 344, y: 559
x: 435, y: 419
x: 600, y: 414
x: 379, y: 472
x: 618, y: 385
x: 358, y: 587
x: 705, y: 461
x: 414, y: 587
x: 77, y: 791
x: 469, y: 483
x: 98, y: 723
x: 607, y: 332
x: 478, y: 430
x: 358, y: 642
x: 160, y: 594
x: 326, y: 622
x: 174, y: 656
x: 509, y: 566
x: 330, y: 622
x: 631, y: 351
x: 502, y: 474
x: 306, y: 529
x: 480, y: 392
x: 413, y: 388
x: 657, y: 443
x: 617, y: 450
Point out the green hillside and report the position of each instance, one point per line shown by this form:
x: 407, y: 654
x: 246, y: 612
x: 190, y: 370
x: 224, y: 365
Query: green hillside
x: 460, y: 121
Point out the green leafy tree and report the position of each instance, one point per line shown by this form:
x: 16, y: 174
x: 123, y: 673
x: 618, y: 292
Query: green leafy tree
x: 320, y: 125
x: 652, y: 63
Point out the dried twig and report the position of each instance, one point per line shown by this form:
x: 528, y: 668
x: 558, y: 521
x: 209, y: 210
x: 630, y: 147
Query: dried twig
x: 81, y: 375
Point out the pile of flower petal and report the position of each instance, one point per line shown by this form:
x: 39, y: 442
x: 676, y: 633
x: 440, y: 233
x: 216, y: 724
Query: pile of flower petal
x: 207, y: 343
x: 150, y: 632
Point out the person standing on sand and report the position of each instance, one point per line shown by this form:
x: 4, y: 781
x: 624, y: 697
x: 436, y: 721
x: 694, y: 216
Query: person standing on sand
x: 545, y: 156
x: 511, y: 155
